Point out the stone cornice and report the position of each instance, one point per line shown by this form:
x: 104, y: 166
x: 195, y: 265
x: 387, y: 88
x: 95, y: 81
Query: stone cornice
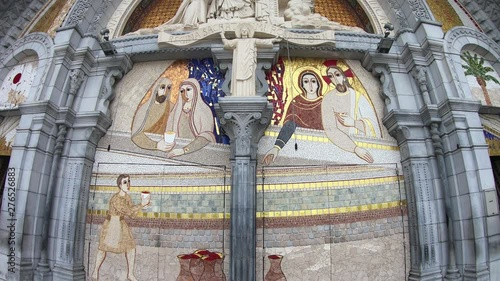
x: 92, y: 118
x: 351, y: 45
x: 402, y: 118
x: 61, y: 115
x: 455, y: 104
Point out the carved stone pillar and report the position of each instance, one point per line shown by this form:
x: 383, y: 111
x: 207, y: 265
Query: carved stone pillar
x: 244, y: 120
x: 71, y: 195
x: 419, y: 169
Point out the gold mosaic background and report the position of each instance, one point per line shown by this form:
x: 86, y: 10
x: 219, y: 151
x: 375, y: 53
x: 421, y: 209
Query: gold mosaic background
x: 346, y: 12
x: 445, y: 14
x: 53, y: 18
x: 155, y: 14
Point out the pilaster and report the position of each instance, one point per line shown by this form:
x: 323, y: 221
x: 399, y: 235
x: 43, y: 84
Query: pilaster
x: 29, y: 167
x: 424, y: 200
x: 71, y: 195
x: 244, y: 120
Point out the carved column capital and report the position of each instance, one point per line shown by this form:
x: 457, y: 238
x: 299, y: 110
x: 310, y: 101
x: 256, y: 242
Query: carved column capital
x: 244, y: 120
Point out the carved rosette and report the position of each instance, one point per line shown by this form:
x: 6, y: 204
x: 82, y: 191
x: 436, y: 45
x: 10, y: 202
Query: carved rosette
x: 244, y: 121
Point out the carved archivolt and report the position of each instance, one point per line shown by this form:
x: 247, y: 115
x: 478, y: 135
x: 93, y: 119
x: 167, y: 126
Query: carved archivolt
x: 459, y: 38
x: 120, y: 16
x: 38, y: 44
x: 375, y: 13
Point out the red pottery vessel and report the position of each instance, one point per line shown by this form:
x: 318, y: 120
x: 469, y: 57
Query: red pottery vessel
x: 275, y: 273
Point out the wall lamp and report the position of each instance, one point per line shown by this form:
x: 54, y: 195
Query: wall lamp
x: 107, y: 47
x: 385, y: 44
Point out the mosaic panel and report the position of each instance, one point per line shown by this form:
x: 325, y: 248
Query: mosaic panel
x: 483, y: 79
x: 186, y: 217
x: 16, y: 86
x: 345, y: 12
x: 444, y: 13
x: 52, y: 16
x: 149, y: 14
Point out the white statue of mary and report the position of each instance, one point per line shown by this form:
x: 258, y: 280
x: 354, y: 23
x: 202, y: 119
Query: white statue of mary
x: 191, y: 13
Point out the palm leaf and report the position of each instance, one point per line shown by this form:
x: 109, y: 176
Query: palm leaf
x: 491, y: 78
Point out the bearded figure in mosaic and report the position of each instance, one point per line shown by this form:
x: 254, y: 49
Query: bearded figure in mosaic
x: 150, y: 113
x: 345, y: 112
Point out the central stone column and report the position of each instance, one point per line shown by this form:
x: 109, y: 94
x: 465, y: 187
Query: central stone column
x: 244, y: 120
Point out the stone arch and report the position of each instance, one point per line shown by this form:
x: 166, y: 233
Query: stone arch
x: 375, y: 13
x: 119, y: 18
x: 35, y: 44
x: 464, y: 38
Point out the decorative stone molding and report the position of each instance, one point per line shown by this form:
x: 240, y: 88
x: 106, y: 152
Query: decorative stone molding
x: 77, y: 14
x: 42, y: 46
x: 456, y: 40
x: 117, y: 22
x: 375, y: 13
x: 485, y: 16
x: 388, y: 92
x: 19, y: 16
x: 403, y: 21
x: 420, y: 9
x: 98, y: 15
x: 420, y: 75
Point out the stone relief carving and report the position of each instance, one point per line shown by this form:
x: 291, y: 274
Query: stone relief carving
x: 420, y: 75
x: 297, y: 15
x: 403, y: 22
x: 419, y: 9
x: 98, y: 15
x: 388, y: 90
x: 76, y: 79
x: 245, y: 129
x: 166, y: 39
x: 78, y: 12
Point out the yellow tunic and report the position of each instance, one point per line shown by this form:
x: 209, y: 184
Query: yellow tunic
x: 115, y: 234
